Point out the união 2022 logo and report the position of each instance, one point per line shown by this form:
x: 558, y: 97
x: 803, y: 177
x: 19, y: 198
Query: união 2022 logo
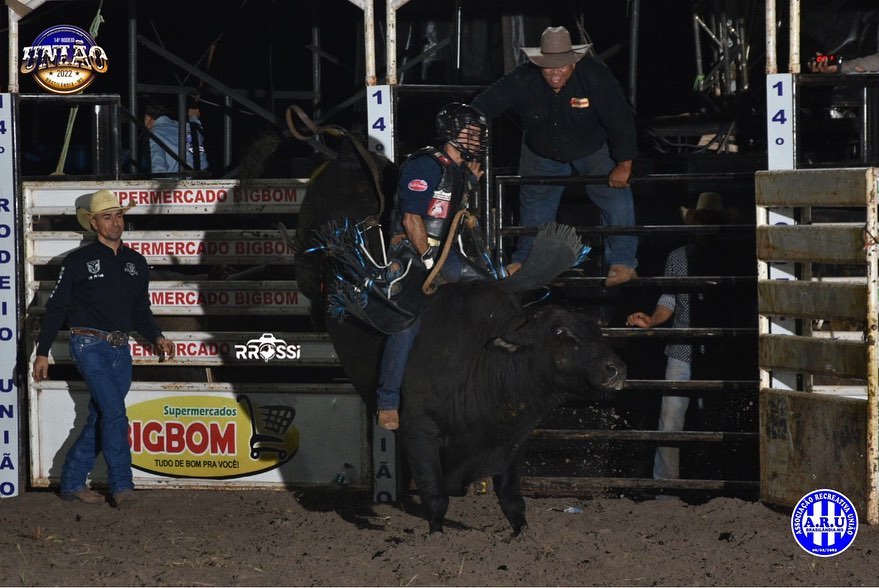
x: 64, y: 59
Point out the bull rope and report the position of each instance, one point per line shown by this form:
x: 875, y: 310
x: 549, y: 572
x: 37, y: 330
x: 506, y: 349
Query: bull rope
x: 336, y: 131
x: 429, y: 288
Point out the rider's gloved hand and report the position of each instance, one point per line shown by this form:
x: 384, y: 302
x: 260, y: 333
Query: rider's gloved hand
x: 427, y: 257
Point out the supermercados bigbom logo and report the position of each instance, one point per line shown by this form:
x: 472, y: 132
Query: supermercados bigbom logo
x: 64, y: 59
x: 210, y: 436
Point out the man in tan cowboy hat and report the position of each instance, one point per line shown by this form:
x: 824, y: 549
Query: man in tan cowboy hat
x: 706, y: 256
x: 101, y: 293
x: 575, y: 120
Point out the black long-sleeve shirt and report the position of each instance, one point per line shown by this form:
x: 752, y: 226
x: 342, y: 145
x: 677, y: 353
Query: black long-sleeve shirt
x: 588, y: 112
x: 100, y: 289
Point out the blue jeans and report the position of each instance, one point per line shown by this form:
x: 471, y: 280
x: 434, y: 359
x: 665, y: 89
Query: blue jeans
x: 394, y: 358
x: 398, y: 346
x: 672, y: 412
x: 538, y: 204
x: 107, y: 373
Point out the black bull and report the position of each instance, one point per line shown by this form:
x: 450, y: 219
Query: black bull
x: 483, y: 371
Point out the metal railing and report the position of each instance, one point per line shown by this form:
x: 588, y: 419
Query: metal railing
x: 499, y: 230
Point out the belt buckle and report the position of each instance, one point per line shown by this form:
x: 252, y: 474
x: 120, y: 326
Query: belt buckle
x: 117, y: 338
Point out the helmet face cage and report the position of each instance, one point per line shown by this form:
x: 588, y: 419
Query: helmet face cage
x: 455, y: 118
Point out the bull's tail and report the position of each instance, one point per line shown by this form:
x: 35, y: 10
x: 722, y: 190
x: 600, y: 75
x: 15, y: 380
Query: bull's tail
x: 556, y: 249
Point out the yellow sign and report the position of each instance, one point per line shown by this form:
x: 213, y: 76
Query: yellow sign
x: 210, y: 437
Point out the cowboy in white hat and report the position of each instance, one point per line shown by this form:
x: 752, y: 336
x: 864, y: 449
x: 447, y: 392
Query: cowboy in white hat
x: 575, y: 120
x: 686, y: 261
x: 102, y: 294
x: 709, y: 211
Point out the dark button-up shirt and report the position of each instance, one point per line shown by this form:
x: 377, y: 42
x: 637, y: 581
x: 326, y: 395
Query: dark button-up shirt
x: 100, y: 289
x: 587, y: 113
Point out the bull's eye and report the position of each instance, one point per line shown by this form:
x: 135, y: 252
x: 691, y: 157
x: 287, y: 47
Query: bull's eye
x: 563, y: 331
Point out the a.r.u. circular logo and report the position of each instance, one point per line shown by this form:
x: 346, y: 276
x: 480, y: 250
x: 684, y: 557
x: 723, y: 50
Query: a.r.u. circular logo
x: 824, y: 522
x: 64, y: 59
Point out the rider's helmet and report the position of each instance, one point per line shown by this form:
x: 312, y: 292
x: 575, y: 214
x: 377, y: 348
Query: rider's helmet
x: 464, y: 127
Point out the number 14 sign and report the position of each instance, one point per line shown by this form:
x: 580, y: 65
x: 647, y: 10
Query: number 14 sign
x: 780, y: 119
x: 380, y: 117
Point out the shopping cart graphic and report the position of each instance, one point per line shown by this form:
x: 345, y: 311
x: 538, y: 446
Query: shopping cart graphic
x: 268, y: 432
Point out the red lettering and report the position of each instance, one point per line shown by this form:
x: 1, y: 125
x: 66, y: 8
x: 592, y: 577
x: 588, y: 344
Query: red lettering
x: 223, y: 441
x: 260, y: 248
x: 174, y: 439
x: 138, y: 350
x: 134, y: 436
x: 153, y: 441
x: 266, y: 195
x: 197, y: 438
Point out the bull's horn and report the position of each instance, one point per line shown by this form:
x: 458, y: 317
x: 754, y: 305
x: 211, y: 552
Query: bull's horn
x: 505, y: 345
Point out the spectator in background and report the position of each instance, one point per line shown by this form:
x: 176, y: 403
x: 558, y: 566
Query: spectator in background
x: 165, y: 129
x: 575, y: 118
x: 700, y: 258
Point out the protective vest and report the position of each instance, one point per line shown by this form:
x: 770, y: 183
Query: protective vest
x: 451, y: 195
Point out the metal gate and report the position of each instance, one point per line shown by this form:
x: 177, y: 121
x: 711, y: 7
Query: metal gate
x: 825, y: 434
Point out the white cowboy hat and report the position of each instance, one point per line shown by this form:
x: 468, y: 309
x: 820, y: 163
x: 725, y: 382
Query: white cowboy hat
x: 555, y: 49
x: 88, y: 205
x: 709, y: 211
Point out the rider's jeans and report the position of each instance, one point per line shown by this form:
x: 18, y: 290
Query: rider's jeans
x: 398, y: 345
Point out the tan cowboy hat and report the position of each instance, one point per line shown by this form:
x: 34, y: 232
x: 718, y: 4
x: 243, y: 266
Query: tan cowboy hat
x: 88, y: 205
x: 709, y: 211
x: 555, y: 49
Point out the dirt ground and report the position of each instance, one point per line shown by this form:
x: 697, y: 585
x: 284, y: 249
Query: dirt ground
x: 251, y: 538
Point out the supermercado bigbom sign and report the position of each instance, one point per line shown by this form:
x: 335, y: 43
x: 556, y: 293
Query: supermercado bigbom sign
x: 257, y: 438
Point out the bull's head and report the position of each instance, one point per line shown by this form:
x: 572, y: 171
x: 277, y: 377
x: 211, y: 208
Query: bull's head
x: 574, y: 345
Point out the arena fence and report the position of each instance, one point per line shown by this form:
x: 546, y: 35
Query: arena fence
x: 612, y: 451
x: 824, y: 433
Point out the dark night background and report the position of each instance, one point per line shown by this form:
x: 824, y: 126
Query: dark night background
x: 261, y: 46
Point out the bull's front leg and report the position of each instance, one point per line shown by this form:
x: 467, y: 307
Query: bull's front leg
x: 509, y: 494
x: 422, y: 447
